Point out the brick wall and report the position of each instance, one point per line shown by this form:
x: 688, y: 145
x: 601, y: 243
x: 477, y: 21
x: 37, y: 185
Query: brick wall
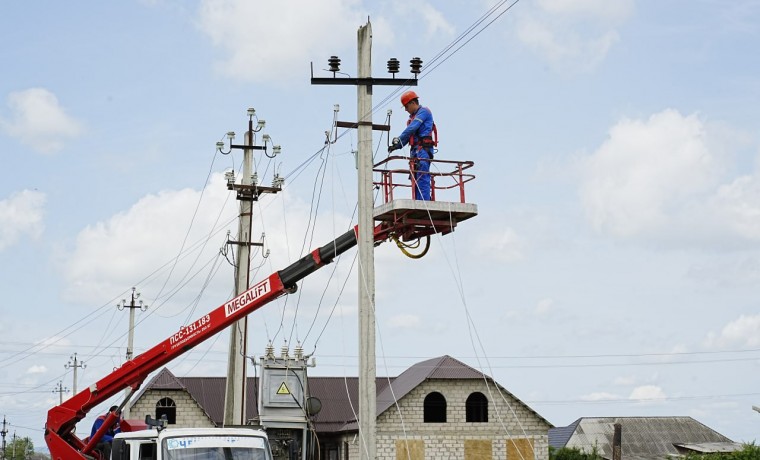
x: 189, y: 413
x: 508, y: 419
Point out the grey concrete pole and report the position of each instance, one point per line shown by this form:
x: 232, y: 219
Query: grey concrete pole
x: 234, y: 396
x: 132, y: 305
x: 367, y: 369
x: 76, y: 365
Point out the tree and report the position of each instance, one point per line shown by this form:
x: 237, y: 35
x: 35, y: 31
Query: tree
x: 572, y: 453
x: 748, y: 452
x: 19, y: 449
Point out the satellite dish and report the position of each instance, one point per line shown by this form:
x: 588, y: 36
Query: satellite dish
x: 313, y: 406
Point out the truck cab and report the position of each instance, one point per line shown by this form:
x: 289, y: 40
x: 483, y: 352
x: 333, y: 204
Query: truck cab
x: 192, y: 444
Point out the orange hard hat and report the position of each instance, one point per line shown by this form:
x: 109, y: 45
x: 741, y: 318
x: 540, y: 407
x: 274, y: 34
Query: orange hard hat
x: 408, y: 96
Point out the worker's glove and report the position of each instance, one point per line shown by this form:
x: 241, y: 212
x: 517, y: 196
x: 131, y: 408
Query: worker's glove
x: 395, y: 144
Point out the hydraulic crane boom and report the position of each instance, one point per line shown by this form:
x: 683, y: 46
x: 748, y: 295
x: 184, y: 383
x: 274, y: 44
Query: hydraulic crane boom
x: 399, y: 219
x: 61, y: 421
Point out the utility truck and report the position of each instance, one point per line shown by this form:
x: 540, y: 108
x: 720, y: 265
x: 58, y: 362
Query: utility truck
x: 400, y: 220
x: 192, y: 444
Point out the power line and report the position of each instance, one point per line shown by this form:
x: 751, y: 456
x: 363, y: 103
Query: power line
x: 639, y: 400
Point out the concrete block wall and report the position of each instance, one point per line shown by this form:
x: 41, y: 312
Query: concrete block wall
x: 189, y: 413
x: 507, y: 418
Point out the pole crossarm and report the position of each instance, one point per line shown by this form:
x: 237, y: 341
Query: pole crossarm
x: 356, y: 124
x: 367, y: 81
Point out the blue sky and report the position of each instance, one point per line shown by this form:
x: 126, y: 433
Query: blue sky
x: 612, y: 270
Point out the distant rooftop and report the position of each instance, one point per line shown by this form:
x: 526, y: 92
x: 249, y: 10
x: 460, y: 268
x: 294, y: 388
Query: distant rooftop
x: 642, y: 437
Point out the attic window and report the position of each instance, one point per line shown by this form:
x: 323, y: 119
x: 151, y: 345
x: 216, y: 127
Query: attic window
x: 166, y: 406
x: 435, y: 408
x: 476, y: 407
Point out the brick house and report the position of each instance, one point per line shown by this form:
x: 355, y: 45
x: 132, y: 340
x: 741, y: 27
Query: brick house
x: 440, y: 408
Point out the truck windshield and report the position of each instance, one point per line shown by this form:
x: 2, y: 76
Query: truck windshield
x: 215, y: 448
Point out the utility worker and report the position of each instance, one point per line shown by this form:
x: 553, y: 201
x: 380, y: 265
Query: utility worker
x: 419, y: 135
x: 104, y: 445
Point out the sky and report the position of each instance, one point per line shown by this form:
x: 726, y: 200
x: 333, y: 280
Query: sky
x: 613, y: 267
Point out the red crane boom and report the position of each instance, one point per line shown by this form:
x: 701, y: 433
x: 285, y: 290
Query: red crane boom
x: 59, y: 429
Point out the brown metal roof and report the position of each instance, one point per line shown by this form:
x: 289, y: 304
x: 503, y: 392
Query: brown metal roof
x: 339, y: 395
x: 208, y: 392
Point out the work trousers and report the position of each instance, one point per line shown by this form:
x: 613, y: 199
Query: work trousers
x: 421, y: 166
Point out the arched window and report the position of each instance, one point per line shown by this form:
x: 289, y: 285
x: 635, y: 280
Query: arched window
x: 166, y: 406
x: 476, y: 408
x: 435, y: 408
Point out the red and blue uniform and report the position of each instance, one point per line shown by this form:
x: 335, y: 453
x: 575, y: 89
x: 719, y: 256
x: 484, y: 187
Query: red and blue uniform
x: 418, y: 134
x: 108, y: 436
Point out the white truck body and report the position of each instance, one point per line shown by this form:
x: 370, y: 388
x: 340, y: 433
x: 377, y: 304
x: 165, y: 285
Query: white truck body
x: 192, y: 444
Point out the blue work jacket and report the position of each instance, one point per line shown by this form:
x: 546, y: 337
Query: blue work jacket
x: 420, y: 125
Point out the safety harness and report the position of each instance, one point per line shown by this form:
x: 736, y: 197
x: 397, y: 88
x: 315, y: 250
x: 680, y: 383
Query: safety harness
x: 425, y: 141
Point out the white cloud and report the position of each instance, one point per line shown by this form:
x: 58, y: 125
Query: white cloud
x: 115, y: 254
x: 110, y: 256
x: 433, y: 21
x: 664, y: 178
x: 600, y: 10
x: 645, y: 171
x: 274, y: 40
x: 37, y: 369
x: 742, y: 332
x: 600, y: 396
x: 544, y: 307
x: 501, y: 244
x: 625, y: 380
x: 39, y: 121
x: 569, y: 52
x: 738, y: 204
x: 573, y: 35
x: 646, y: 393
x: 21, y: 214
x: 405, y: 321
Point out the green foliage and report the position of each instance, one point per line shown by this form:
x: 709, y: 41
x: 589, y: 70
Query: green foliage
x: 568, y: 453
x: 19, y: 449
x: 748, y: 452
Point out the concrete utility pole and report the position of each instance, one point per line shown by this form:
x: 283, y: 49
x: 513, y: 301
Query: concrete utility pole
x: 367, y: 366
x: 3, y: 432
x: 367, y: 360
x: 60, y: 390
x: 248, y: 191
x: 234, y: 399
x: 76, y: 365
x: 132, y: 305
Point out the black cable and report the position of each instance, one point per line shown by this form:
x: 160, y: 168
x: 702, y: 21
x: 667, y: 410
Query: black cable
x: 470, y: 39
